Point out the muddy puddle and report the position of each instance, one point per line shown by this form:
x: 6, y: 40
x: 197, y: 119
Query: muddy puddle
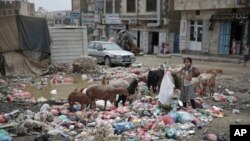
x: 63, y: 90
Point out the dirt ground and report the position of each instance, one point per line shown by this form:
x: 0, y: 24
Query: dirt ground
x: 235, y: 78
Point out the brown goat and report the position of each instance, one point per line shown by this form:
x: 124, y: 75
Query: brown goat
x: 210, y: 83
x: 105, y: 93
x: 214, y: 71
x: 78, y: 96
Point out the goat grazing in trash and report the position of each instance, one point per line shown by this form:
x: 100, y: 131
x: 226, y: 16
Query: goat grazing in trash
x: 132, y: 88
x: 78, y: 96
x: 105, y: 93
x: 154, y: 79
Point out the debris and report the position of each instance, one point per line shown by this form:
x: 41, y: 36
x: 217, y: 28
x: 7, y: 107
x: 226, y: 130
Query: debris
x: 235, y: 111
x: 84, y: 64
x: 4, y: 136
x: 41, y: 99
x: 211, y: 137
x: 2, y: 119
x: 53, y: 91
x: 238, y: 120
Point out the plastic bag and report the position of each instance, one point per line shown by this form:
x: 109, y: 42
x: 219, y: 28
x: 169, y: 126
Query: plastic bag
x: 4, y: 136
x: 122, y: 127
x: 184, y: 117
x: 166, y: 90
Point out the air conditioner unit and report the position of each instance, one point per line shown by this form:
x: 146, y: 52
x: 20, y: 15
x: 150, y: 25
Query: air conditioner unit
x: 242, y: 2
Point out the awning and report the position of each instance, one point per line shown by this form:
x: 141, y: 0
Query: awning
x: 231, y: 16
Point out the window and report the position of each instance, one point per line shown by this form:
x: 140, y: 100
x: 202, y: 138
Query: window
x: 98, y: 46
x: 130, y: 6
x: 151, y: 5
x: 91, y: 45
x: 109, y: 6
x: 117, y: 6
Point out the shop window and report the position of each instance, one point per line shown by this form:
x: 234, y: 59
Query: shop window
x: 151, y: 5
x: 130, y: 6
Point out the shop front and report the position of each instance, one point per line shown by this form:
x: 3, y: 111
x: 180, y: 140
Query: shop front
x: 233, y: 32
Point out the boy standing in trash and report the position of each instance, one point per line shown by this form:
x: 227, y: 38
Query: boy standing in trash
x: 187, y: 89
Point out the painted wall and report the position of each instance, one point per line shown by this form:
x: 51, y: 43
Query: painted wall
x: 210, y: 38
x: 206, y: 4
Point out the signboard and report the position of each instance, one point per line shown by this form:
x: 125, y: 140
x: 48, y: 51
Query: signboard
x: 75, y: 15
x: 112, y: 19
x: 97, y: 18
x: 132, y: 21
x: 88, y: 18
x: 183, y: 34
x: 122, y: 26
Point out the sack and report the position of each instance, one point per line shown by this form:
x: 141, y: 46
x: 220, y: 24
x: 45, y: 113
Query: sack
x: 166, y: 89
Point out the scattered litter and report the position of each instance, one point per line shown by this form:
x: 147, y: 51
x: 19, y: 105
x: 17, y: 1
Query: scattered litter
x: 235, y: 111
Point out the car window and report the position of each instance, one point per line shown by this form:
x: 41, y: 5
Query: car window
x: 111, y: 46
x: 91, y: 45
x: 98, y: 46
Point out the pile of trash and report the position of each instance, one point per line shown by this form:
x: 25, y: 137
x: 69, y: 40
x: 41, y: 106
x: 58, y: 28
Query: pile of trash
x: 60, y: 67
x: 143, y: 120
x: 84, y: 64
x: 80, y: 65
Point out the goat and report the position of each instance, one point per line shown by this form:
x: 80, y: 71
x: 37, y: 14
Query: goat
x: 207, y: 80
x: 155, y: 78
x: 131, y: 90
x: 78, y: 96
x: 105, y: 93
x: 214, y: 71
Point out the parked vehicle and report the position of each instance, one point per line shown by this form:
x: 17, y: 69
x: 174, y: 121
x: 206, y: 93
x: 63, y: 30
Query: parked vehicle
x: 110, y: 53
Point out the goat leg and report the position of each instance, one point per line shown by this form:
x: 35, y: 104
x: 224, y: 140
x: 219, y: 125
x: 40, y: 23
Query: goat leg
x: 105, y: 104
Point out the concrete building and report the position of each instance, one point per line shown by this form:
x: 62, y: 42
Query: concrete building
x: 55, y: 18
x: 96, y: 7
x: 16, y: 7
x: 111, y: 17
x: 154, y: 23
x: 219, y: 27
x: 78, y: 6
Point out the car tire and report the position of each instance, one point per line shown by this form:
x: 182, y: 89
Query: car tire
x: 107, y: 61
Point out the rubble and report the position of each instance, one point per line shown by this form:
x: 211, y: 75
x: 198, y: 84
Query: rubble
x: 84, y: 64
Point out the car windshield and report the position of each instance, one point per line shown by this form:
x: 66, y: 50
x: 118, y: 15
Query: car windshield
x: 111, y: 46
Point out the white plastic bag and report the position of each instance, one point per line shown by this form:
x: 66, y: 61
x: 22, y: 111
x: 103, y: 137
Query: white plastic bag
x: 166, y: 89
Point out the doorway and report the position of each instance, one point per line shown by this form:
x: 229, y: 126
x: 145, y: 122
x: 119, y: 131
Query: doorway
x: 237, y: 36
x: 153, y: 41
x: 196, y: 32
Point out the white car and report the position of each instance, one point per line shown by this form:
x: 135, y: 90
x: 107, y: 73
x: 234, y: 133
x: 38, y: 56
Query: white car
x: 110, y: 53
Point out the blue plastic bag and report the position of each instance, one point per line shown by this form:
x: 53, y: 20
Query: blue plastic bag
x: 4, y: 136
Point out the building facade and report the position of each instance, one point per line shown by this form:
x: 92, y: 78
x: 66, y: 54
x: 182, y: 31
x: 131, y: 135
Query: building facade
x: 78, y: 6
x: 219, y: 27
x: 17, y: 7
x: 154, y: 23
x: 55, y: 18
